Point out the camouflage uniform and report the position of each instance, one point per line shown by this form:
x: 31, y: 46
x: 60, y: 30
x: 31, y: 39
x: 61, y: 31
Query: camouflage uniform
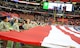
x: 16, y: 27
x: 25, y: 26
x: 4, y: 26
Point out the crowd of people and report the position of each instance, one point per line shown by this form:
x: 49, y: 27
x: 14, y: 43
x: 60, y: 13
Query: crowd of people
x: 26, y: 22
x: 17, y: 6
x: 17, y: 24
x: 74, y: 22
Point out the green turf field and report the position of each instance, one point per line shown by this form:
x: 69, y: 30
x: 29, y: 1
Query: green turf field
x: 19, y: 46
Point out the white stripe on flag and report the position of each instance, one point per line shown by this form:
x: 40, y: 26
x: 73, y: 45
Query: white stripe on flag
x: 71, y: 28
x: 62, y: 27
x: 57, y: 39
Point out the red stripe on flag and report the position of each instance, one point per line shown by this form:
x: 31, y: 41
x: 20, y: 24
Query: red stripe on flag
x: 71, y: 30
x: 73, y: 37
x: 33, y: 36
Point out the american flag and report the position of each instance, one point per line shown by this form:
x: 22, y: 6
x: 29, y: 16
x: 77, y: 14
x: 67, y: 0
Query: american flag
x: 54, y: 36
x: 62, y: 37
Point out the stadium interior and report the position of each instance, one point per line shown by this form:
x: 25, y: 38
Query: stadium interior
x: 40, y: 12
